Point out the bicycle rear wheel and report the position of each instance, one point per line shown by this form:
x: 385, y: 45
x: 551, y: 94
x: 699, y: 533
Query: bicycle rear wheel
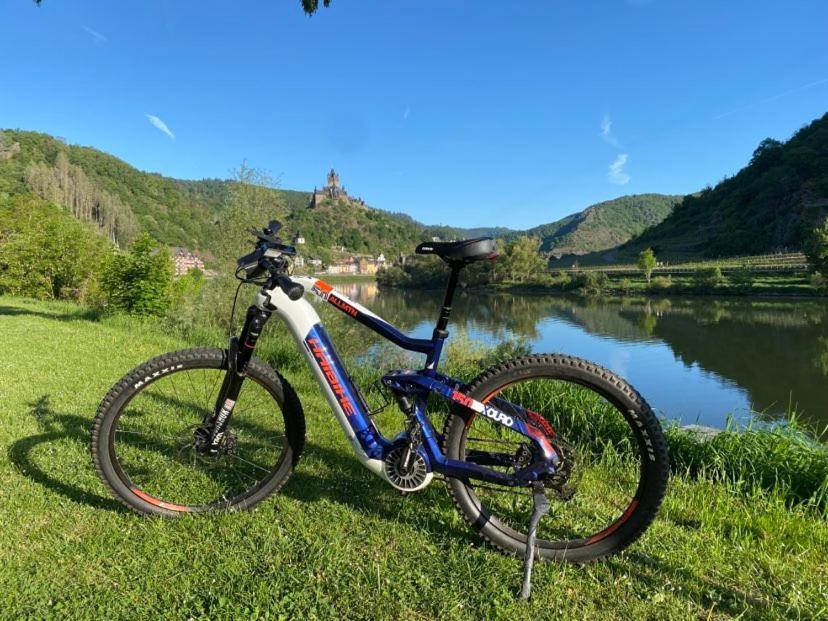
x: 615, y: 465
x: 143, y: 436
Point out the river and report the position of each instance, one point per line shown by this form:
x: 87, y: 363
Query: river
x: 697, y: 360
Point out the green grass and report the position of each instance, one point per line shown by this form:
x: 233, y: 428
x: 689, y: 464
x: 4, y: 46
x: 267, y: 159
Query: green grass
x: 336, y: 543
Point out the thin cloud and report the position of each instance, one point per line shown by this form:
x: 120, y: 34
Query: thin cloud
x: 616, y: 173
x: 97, y: 37
x: 606, y: 132
x: 406, y: 113
x: 772, y: 98
x: 161, y: 125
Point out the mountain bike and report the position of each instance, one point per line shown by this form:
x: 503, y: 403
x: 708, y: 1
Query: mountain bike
x: 541, y: 435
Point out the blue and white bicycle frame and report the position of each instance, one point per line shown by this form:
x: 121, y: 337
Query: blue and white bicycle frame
x: 350, y: 408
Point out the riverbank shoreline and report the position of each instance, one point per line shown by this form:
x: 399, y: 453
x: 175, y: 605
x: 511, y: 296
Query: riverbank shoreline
x: 615, y: 293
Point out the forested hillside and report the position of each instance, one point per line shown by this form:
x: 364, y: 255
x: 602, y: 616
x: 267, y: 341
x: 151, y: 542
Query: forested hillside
x: 123, y: 201
x: 98, y: 187
x: 770, y: 205
x: 604, y: 225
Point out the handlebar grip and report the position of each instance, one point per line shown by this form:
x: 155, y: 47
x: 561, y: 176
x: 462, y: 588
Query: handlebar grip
x: 292, y: 289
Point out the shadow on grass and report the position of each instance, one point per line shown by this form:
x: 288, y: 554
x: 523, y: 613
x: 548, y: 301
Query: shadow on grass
x: 338, y: 486
x: 56, y: 428
x: 81, y: 315
x: 373, y: 497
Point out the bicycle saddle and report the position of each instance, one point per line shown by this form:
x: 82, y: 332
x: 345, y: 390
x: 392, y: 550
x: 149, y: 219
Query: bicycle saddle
x: 463, y: 251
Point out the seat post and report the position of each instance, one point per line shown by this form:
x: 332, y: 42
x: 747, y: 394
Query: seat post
x: 442, y: 321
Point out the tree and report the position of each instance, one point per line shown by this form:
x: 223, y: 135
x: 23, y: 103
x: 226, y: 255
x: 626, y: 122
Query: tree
x: 139, y: 282
x: 45, y: 252
x: 252, y: 202
x: 522, y: 260
x: 708, y: 277
x: 311, y: 6
x: 816, y: 249
x: 647, y: 262
x: 768, y: 149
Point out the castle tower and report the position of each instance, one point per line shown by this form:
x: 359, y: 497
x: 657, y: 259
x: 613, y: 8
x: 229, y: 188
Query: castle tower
x: 333, y: 179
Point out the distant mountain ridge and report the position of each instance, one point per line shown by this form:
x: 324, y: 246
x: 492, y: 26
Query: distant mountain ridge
x: 123, y: 200
x: 604, y: 225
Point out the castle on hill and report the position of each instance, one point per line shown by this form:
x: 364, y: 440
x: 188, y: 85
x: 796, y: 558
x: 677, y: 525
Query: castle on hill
x: 333, y: 192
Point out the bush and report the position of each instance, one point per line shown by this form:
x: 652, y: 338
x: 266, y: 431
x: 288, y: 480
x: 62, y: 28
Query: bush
x: 708, y: 277
x: 816, y: 249
x: 561, y: 279
x: 819, y: 282
x: 592, y: 283
x: 625, y: 285
x: 46, y: 253
x: 661, y: 283
x: 139, y: 282
x: 743, y: 276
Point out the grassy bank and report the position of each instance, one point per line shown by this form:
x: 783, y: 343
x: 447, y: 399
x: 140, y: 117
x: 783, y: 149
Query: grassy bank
x: 338, y: 543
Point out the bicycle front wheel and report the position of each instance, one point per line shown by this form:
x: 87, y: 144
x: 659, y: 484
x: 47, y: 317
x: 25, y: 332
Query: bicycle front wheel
x: 614, y: 470
x: 143, y: 439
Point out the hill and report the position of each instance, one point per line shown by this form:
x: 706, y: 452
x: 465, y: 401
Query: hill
x: 122, y: 200
x: 604, y: 225
x: 769, y: 205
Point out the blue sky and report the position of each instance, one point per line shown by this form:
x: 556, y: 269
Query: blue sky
x: 455, y: 111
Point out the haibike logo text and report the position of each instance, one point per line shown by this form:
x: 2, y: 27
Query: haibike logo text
x: 163, y: 371
x: 342, y: 305
x: 330, y: 375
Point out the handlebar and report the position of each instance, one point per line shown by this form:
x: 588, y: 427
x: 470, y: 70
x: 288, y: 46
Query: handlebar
x: 293, y: 290
x: 258, y: 262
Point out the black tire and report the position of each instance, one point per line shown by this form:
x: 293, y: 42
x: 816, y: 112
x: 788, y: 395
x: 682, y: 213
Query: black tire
x: 272, y: 435
x: 637, y: 450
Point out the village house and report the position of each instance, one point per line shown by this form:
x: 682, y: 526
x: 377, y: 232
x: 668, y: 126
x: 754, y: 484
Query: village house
x: 184, y: 260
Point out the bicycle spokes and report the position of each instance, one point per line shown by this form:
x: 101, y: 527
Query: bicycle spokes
x: 158, y: 441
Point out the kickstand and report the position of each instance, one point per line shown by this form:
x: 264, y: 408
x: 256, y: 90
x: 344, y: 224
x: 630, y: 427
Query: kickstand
x: 541, y: 506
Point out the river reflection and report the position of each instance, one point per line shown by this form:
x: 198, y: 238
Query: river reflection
x: 694, y: 359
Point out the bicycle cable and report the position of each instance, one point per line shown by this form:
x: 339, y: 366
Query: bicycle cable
x: 233, y: 309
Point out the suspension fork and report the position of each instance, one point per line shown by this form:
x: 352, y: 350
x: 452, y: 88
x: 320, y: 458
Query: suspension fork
x: 239, y: 354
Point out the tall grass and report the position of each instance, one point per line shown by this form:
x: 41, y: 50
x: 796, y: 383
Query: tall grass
x: 789, y: 459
